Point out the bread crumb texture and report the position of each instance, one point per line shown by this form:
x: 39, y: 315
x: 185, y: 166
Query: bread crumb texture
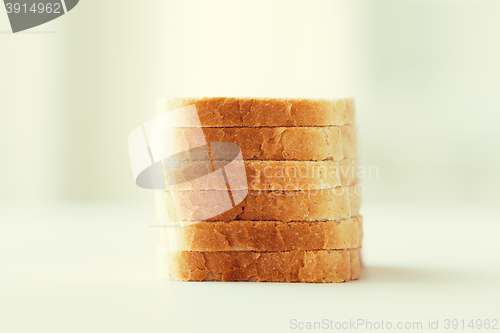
x: 270, y: 112
x: 323, y: 266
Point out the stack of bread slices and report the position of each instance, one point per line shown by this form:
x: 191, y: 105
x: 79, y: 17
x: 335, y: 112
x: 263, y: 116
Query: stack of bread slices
x: 299, y: 220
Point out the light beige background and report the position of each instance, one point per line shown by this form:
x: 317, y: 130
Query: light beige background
x: 425, y: 75
x: 76, y: 249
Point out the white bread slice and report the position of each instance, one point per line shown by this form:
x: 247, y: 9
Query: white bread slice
x: 315, y: 205
x: 332, y: 143
x: 266, y: 175
x: 263, y: 236
x: 321, y: 266
x: 266, y: 112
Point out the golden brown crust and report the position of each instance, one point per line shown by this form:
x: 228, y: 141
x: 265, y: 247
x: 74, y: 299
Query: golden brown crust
x: 350, y: 111
x: 348, y: 172
x: 263, y: 235
x: 356, y: 265
x: 292, y: 266
x: 349, y: 149
x: 316, y: 205
x: 267, y: 112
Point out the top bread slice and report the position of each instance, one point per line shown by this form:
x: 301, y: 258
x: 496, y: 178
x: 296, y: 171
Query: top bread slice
x: 266, y: 112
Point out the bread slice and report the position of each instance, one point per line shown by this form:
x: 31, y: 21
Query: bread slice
x: 263, y: 235
x: 316, y: 205
x: 291, y: 266
x: 265, y: 175
x: 266, y: 112
x: 332, y: 143
x: 288, y: 143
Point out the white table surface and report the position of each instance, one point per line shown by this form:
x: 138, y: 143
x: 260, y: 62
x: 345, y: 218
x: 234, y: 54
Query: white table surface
x: 91, y: 268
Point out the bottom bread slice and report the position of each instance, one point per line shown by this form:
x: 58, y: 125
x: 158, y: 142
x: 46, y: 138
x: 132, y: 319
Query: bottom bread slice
x: 292, y: 266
